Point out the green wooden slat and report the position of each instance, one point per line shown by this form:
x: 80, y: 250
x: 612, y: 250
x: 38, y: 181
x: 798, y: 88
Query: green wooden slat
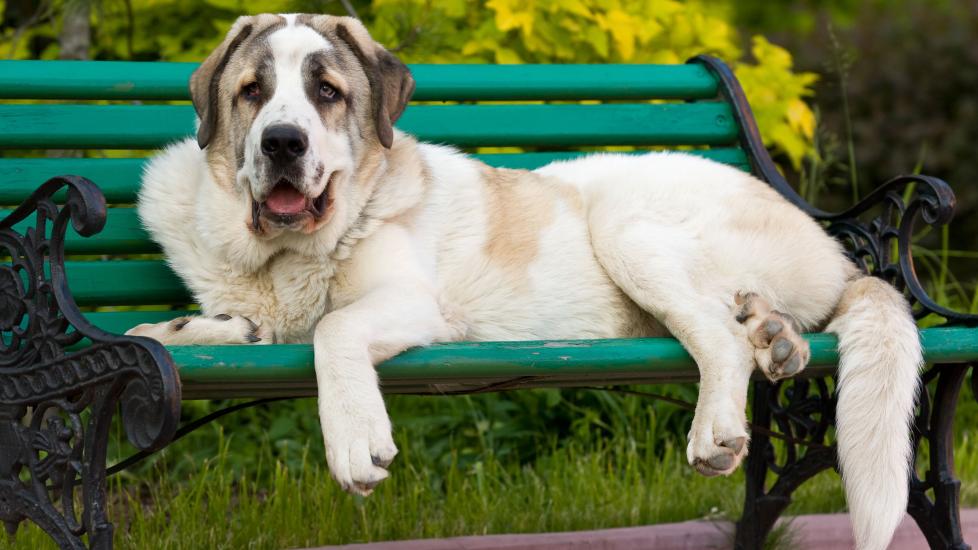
x: 256, y: 371
x: 151, y: 126
x: 124, y: 282
x: 95, y: 80
x: 93, y: 126
x: 562, y: 82
x: 733, y: 156
x: 119, y: 178
x: 460, y: 360
x: 122, y: 234
x: 288, y: 369
x: 161, y: 81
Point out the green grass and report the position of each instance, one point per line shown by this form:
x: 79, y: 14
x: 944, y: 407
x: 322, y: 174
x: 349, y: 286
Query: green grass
x: 568, y: 489
x: 589, y: 479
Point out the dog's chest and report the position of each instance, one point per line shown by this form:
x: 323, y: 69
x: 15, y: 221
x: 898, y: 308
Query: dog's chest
x: 300, y: 286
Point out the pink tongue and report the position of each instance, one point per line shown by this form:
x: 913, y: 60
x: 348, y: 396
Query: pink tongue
x: 285, y: 199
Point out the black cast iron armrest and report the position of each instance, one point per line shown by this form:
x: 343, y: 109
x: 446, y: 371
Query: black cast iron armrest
x: 45, y: 386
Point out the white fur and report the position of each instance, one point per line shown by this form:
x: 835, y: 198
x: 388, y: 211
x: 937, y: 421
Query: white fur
x: 619, y: 240
x: 878, y: 378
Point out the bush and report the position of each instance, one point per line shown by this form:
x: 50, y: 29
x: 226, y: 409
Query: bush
x: 908, y: 70
x: 603, y: 31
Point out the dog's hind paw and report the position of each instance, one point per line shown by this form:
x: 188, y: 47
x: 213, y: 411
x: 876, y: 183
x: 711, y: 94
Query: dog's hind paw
x: 779, y: 349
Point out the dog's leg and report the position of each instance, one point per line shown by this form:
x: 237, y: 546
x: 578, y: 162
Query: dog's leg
x: 718, y: 437
x: 655, y: 266
x: 348, y: 343
x: 216, y: 330
x: 386, y: 303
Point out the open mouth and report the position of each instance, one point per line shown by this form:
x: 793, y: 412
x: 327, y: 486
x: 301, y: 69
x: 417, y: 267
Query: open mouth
x: 285, y: 205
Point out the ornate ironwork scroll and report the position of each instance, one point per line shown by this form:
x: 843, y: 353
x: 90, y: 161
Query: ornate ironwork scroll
x: 62, y: 378
x: 870, y: 230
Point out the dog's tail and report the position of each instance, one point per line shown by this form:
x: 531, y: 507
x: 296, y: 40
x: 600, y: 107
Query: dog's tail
x: 878, y: 383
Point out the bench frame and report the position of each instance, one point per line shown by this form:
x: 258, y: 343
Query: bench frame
x: 38, y: 373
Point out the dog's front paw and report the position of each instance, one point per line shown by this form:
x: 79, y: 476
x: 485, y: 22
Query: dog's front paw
x: 238, y: 329
x: 359, y: 447
x: 717, y: 443
x: 217, y: 330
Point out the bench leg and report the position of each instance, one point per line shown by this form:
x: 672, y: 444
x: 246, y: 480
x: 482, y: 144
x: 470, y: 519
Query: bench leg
x: 801, y: 410
x: 44, y: 449
x: 939, y: 519
x: 55, y: 421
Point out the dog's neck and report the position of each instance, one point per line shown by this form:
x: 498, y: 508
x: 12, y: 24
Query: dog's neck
x: 391, y: 183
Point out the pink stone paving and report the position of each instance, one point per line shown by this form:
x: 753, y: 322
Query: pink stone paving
x: 814, y: 532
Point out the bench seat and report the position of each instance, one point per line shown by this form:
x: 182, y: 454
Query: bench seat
x: 217, y: 372
x: 287, y: 370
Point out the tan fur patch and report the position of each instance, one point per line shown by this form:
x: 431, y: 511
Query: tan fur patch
x: 571, y: 198
x: 213, y: 87
x: 391, y: 83
x: 519, y: 205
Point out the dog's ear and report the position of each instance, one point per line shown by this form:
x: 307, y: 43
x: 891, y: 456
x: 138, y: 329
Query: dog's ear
x: 204, y: 83
x: 391, y: 83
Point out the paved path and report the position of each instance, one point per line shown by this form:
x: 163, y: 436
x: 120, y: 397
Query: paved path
x: 814, y: 532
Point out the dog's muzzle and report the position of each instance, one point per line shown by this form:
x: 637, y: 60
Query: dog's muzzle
x: 288, y: 208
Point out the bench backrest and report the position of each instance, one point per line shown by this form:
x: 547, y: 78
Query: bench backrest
x: 118, y: 112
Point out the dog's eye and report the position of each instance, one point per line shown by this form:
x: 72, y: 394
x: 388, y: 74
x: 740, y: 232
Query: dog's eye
x: 327, y: 92
x: 251, y: 92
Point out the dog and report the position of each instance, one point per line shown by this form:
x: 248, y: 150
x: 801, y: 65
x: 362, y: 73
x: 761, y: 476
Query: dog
x: 300, y: 214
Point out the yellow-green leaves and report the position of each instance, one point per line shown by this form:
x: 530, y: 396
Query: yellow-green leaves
x: 605, y: 31
x: 775, y: 93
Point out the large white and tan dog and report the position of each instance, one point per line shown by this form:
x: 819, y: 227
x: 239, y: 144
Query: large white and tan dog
x: 300, y: 215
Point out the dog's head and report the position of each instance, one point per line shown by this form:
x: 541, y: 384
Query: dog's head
x: 289, y: 106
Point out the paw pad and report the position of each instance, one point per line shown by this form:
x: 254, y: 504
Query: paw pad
x: 779, y: 349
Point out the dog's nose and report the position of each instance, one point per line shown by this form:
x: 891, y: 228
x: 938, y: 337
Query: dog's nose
x: 284, y: 143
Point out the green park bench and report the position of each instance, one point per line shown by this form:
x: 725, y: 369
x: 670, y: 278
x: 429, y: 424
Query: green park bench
x: 67, y: 261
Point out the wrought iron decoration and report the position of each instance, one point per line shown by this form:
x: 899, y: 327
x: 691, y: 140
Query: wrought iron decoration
x: 58, y: 395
